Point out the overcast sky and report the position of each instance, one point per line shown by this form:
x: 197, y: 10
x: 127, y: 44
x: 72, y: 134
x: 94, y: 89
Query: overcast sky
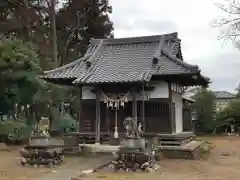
x: 191, y: 19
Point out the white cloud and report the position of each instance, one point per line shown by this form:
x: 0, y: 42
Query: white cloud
x: 191, y: 19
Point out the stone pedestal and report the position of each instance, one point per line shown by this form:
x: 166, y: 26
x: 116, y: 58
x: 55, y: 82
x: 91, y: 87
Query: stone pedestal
x: 133, y: 155
x: 40, y: 151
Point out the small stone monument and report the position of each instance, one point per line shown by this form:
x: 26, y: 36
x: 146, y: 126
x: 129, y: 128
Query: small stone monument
x: 133, y: 154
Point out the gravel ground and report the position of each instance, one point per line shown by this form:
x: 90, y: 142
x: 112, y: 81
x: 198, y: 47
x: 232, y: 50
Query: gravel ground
x: 223, y: 164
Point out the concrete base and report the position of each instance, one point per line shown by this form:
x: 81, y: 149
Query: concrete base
x: 189, y: 146
x: 190, y: 150
x: 98, y: 148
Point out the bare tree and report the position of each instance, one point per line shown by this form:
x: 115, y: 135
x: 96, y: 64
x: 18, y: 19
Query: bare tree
x: 229, y: 24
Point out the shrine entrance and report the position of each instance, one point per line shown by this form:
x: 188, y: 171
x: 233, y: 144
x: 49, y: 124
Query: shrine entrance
x: 104, y: 116
x: 119, y: 107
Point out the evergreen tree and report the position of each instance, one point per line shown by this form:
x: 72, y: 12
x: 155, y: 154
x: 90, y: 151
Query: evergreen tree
x: 93, y: 22
x: 19, y: 66
x: 205, y: 109
x: 238, y: 91
x: 30, y: 20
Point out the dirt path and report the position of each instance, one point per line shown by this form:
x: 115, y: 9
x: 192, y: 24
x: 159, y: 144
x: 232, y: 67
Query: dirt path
x: 223, y: 164
x: 11, y: 169
x: 74, y: 168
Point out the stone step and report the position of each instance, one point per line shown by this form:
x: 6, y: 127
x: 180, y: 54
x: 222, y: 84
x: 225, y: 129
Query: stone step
x: 170, y: 143
x: 190, y: 150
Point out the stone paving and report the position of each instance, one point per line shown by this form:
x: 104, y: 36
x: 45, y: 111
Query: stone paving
x: 75, y: 167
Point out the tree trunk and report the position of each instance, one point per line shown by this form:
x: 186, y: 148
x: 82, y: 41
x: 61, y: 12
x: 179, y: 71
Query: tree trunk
x: 28, y: 30
x: 54, y: 34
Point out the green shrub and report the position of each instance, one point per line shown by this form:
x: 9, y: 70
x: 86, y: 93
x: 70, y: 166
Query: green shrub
x: 14, y: 132
x: 64, y: 124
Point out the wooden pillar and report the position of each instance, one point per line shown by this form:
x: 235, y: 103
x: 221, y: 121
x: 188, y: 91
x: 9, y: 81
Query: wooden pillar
x: 143, y: 109
x: 97, y: 141
x: 116, y: 136
x: 80, y: 128
x: 134, y: 105
x: 107, y: 119
x: 172, y: 120
x: 190, y: 116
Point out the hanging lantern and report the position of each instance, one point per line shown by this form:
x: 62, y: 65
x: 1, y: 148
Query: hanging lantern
x: 28, y: 106
x: 116, y: 104
x: 22, y: 108
x: 122, y: 103
x: 126, y: 99
x: 107, y: 104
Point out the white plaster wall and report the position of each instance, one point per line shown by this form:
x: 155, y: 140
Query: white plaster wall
x: 160, y: 91
x: 177, y: 99
x: 87, y: 94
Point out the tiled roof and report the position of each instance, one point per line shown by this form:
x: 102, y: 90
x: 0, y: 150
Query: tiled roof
x: 71, y: 70
x: 126, y: 60
x: 223, y: 95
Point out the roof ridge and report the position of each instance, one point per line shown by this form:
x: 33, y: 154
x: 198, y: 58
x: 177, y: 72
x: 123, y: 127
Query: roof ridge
x: 179, y: 61
x: 136, y: 39
x: 180, y: 49
x: 158, y: 51
x: 93, y: 63
x: 177, y: 45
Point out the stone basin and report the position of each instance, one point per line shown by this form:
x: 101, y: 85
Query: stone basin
x: 39, y: 141
x: 134, y: 143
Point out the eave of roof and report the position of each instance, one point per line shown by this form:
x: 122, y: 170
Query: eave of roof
x: 65, y: 66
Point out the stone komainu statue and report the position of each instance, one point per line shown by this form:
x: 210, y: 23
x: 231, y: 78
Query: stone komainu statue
x: 43, y: 126
x: 133, y: 128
